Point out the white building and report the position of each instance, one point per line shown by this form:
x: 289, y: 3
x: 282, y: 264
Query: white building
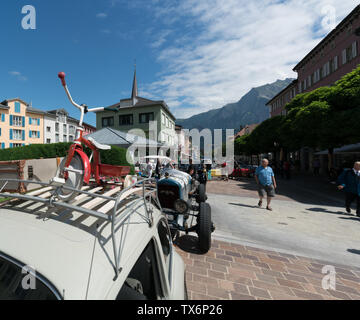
x: 59, y: 127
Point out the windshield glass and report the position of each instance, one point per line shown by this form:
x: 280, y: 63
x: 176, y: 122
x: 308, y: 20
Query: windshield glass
x: 17, y: 284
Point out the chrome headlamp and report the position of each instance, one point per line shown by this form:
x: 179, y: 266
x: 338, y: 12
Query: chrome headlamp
x: 181, y: 206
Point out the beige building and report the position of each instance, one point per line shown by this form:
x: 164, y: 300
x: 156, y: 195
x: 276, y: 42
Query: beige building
x: 20, y: 124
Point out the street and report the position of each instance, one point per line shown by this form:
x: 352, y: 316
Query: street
x: 310, y: 223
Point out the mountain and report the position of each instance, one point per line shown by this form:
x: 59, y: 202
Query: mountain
x: 249, y: 109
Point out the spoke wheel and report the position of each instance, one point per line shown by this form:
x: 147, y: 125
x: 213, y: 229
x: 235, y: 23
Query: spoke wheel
x: 73, y: 179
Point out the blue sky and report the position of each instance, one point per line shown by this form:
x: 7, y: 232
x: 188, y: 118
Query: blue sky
x: 196, y: 55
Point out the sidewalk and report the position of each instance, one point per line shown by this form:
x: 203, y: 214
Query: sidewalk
x: 235, y: 272
x: 304, y: 189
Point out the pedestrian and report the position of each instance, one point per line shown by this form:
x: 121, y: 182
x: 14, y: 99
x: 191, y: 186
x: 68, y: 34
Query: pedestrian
x: 349, y: 181
x: 265, y: 179
x: 316, y: 166
x: 149, y: 169
x: 287, y: 168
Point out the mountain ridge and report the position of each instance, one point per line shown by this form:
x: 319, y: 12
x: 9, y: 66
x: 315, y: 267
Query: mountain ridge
x: 250, y: 109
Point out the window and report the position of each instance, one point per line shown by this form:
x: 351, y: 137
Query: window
x: 48, y: 140
x: 17, y: 107
x: 48, y: 129
x: 71, y: 138
x: 146, y: 117
x: 17, y: 121
x: 16, y: 145
x: 143, y: 281
x: 57, y: 137
x: 56, y: 127
x: 344, y: 56
x: 354, y: 50
x: 64, y: 138
x: 34, y: 134
x: 107, y: 122
x: 16, y: 134
x: 11, y: 277
x: 72, y: 130
x: 126, y: 120
x: 163, y: 119
x: 165, y: 239
x: 64, y: 129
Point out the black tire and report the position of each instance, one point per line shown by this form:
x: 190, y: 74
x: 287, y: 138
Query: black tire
x: 76, y: 181
x: 204, y: 227
x: 201, y: 197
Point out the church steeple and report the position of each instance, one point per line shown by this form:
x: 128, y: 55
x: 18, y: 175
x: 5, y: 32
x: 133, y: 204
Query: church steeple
x: 134, y: 93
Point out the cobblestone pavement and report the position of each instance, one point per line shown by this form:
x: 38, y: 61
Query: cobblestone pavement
x: 266, y: 258
x: 235, y: 272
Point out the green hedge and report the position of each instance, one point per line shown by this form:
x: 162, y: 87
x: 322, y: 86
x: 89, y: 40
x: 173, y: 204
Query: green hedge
x: 115, y: 156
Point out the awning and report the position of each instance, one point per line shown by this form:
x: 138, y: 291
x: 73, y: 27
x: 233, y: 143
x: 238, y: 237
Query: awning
x: 351, y: 148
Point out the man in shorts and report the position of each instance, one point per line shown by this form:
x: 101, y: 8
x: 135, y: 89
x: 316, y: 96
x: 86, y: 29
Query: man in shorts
x: 265, y: 179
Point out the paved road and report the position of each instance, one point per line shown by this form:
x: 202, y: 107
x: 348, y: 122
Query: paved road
x: 300, y: 224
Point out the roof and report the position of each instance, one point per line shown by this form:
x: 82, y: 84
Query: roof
x: 140, y: 102
x: 293, y: 83
x: 14, y: 99
x: 247, y: 130
x: 70, y: 251
x: 115, y: 137
x: 332, y: 34
x: 4, y: 107
x: 33, y: 110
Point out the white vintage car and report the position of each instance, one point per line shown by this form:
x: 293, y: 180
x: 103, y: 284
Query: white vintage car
x: 105, y: 245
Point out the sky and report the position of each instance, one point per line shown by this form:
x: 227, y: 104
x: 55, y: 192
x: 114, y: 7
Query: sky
x: 196, y: 55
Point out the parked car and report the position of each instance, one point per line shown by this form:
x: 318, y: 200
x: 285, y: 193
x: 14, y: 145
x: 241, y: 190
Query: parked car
x: 243, y: 171
x: 96, y: 247
x: 182, y: 197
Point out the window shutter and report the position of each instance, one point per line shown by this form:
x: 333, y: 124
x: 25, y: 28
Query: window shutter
x: 29, y: 133
x: 38, y: 121
x: 3, y: 117
x: 23, y: 122
x: 11, y: 145
x: 0, y: 131
x: 29, y: 120
x: 11, y: 134
x: 344, y: 56
x: 11, y: 120
x: 38, y: 134
x: 23, y: 135
x: 3, y: 145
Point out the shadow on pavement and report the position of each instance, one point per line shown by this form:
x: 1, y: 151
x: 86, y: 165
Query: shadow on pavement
x: 328, y: 211
x: 354, y: 251
x: 351, y: 218
x: 244, y: 205
x: 188, y: 244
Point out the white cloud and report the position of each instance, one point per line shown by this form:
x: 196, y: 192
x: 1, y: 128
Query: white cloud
x: 101, y: 15
x: 18, y: 75
x: 234, y: 45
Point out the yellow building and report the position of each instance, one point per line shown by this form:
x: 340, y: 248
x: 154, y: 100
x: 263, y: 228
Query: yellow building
x: 20, y: 124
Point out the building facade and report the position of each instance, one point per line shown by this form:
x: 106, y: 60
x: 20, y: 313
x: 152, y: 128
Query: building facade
x: 335, y: 56
x: 60, y: 127
x: 137, y: 113
x: 20, y: 124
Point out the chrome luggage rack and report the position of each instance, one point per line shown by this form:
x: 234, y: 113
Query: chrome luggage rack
x: 115, y: 205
